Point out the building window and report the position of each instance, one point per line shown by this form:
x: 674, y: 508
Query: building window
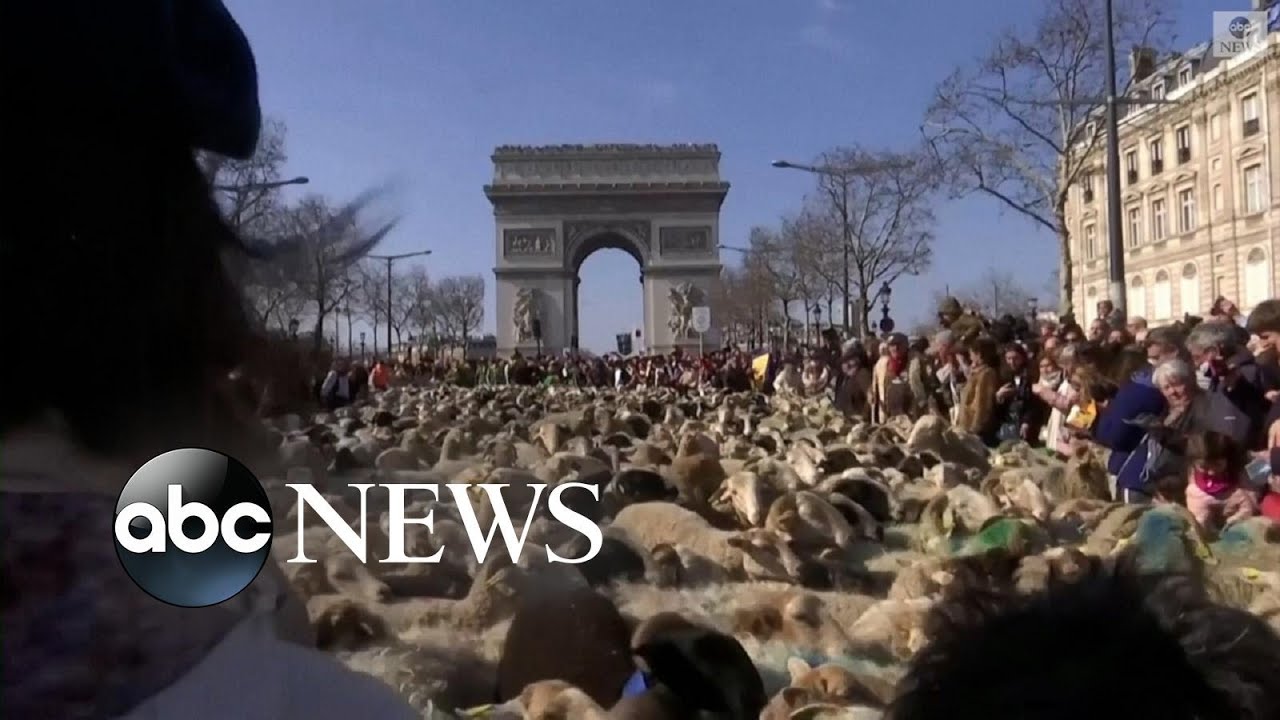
x: 1186, y: 210
x: 1135, y: 227
x: 1131, y: 164
x: 1215, y: 127
x: 1249, y: 113
x: 1157, y: 220
x: 1253, y: 192
x: 1189, y: 290
x: 1157, y: 91
x: 1137, y: 297
x: 1184, y: 77
x: 1257, y: 286
x: 1162, y: 297
x: 1183, y: 135
x: 1157, y: 156
x: 1090, y: 242
x: 1218, y: 202
x: 1086, y: 186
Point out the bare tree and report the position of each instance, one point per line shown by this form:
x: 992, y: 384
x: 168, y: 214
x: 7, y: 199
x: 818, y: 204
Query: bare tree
x: 241, y: 185
x: 816, y: 242
x: 770, y: 258
x: 324, y: 245
x: 417, y: 300
x: 995, y: 294
x: 890, y: 221
x: 460, y: 304
x: 1014, y: 125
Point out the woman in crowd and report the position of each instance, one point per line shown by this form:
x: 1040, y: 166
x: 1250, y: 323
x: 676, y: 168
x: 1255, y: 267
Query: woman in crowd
x: 1060, y: 399
x: 816, y: 377
x: 1189, y: 410
x: 853, y: 386
x: 1117, y: 429
x: 978, y: 400
x: 1020, y: 412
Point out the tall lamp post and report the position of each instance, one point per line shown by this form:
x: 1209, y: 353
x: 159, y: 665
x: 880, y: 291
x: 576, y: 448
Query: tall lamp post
x: 886, y: 322
x: 390, y: 259
x: 843, y: 175
x: 363, y: 357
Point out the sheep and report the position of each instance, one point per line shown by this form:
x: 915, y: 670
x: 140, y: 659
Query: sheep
x: 745, y: 496
x: 741, y: 555
x: 809, y: 520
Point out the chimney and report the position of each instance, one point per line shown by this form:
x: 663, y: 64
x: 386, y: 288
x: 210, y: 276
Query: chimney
x: 1142, y: 62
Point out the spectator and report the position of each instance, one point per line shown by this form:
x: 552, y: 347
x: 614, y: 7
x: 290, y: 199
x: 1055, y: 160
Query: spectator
x: 978, y: 402
x: 1163, y: 344
x: 1225, y: 367
x: 1216, y: 468
x: 891, y: 391
x: 1110, y: 315
x: 1020, y: 412
x: 926, y: 391
x: 816, y: 377
x: 853, y: 386
x: 1116, y: 429
x: 1138, y: 329
x: 336, y: 390
x: 1189, y: 410
x: 1060, y: 399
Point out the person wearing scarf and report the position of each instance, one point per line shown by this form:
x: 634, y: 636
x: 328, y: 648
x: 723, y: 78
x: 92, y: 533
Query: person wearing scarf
x: 890, y: 389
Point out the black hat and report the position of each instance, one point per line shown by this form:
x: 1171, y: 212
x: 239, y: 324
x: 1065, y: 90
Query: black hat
x: 133, y: 68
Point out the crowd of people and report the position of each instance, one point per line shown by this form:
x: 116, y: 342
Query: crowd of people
x: 1186, y: 412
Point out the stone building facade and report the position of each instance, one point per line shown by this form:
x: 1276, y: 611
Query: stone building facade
x: 1197, y: 191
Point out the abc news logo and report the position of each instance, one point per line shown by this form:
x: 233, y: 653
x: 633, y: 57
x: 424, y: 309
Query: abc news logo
x: 193, y: 527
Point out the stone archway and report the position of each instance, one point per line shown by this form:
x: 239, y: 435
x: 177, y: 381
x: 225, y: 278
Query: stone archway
x: 556, y: 205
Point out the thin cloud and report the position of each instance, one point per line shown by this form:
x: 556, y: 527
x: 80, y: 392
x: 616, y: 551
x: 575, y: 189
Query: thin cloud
x: 830, y: 6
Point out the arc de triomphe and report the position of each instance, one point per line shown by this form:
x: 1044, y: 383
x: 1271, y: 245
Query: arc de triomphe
x: 555, y: 205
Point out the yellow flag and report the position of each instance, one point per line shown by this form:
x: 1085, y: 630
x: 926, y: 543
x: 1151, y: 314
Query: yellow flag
x: 760, y: 370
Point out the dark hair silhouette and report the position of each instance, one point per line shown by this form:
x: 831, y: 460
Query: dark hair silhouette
x: 1105, y: 643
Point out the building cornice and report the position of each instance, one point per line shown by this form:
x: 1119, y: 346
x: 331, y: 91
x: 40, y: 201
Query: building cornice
x: 512, y: 189
x: 604, y: 150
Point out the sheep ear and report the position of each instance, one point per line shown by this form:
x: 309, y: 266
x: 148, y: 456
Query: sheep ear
x: 739, y: 542
x: 796, y: 667
x: 795, y: 697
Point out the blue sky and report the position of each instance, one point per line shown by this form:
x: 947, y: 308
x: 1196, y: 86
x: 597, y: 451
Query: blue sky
x: 421, y: 91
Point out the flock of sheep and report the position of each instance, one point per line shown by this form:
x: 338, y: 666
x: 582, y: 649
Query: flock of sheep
x: 808, y: 545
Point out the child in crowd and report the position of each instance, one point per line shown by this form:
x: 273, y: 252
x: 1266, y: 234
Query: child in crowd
x: 1216, y: 495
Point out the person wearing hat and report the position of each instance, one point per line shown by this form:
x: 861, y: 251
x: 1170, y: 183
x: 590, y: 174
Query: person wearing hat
x: 107, y: 106
x: 853, y: 384
x: 965, y: 327
x: 890, y: 387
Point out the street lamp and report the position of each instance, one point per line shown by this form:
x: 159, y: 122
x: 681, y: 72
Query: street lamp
x: 843, y: 174
x: 886, y: 322
x: 389, y: 259
x: 1033, y: 308
x: 300, y: 180
x: 363, y: 357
